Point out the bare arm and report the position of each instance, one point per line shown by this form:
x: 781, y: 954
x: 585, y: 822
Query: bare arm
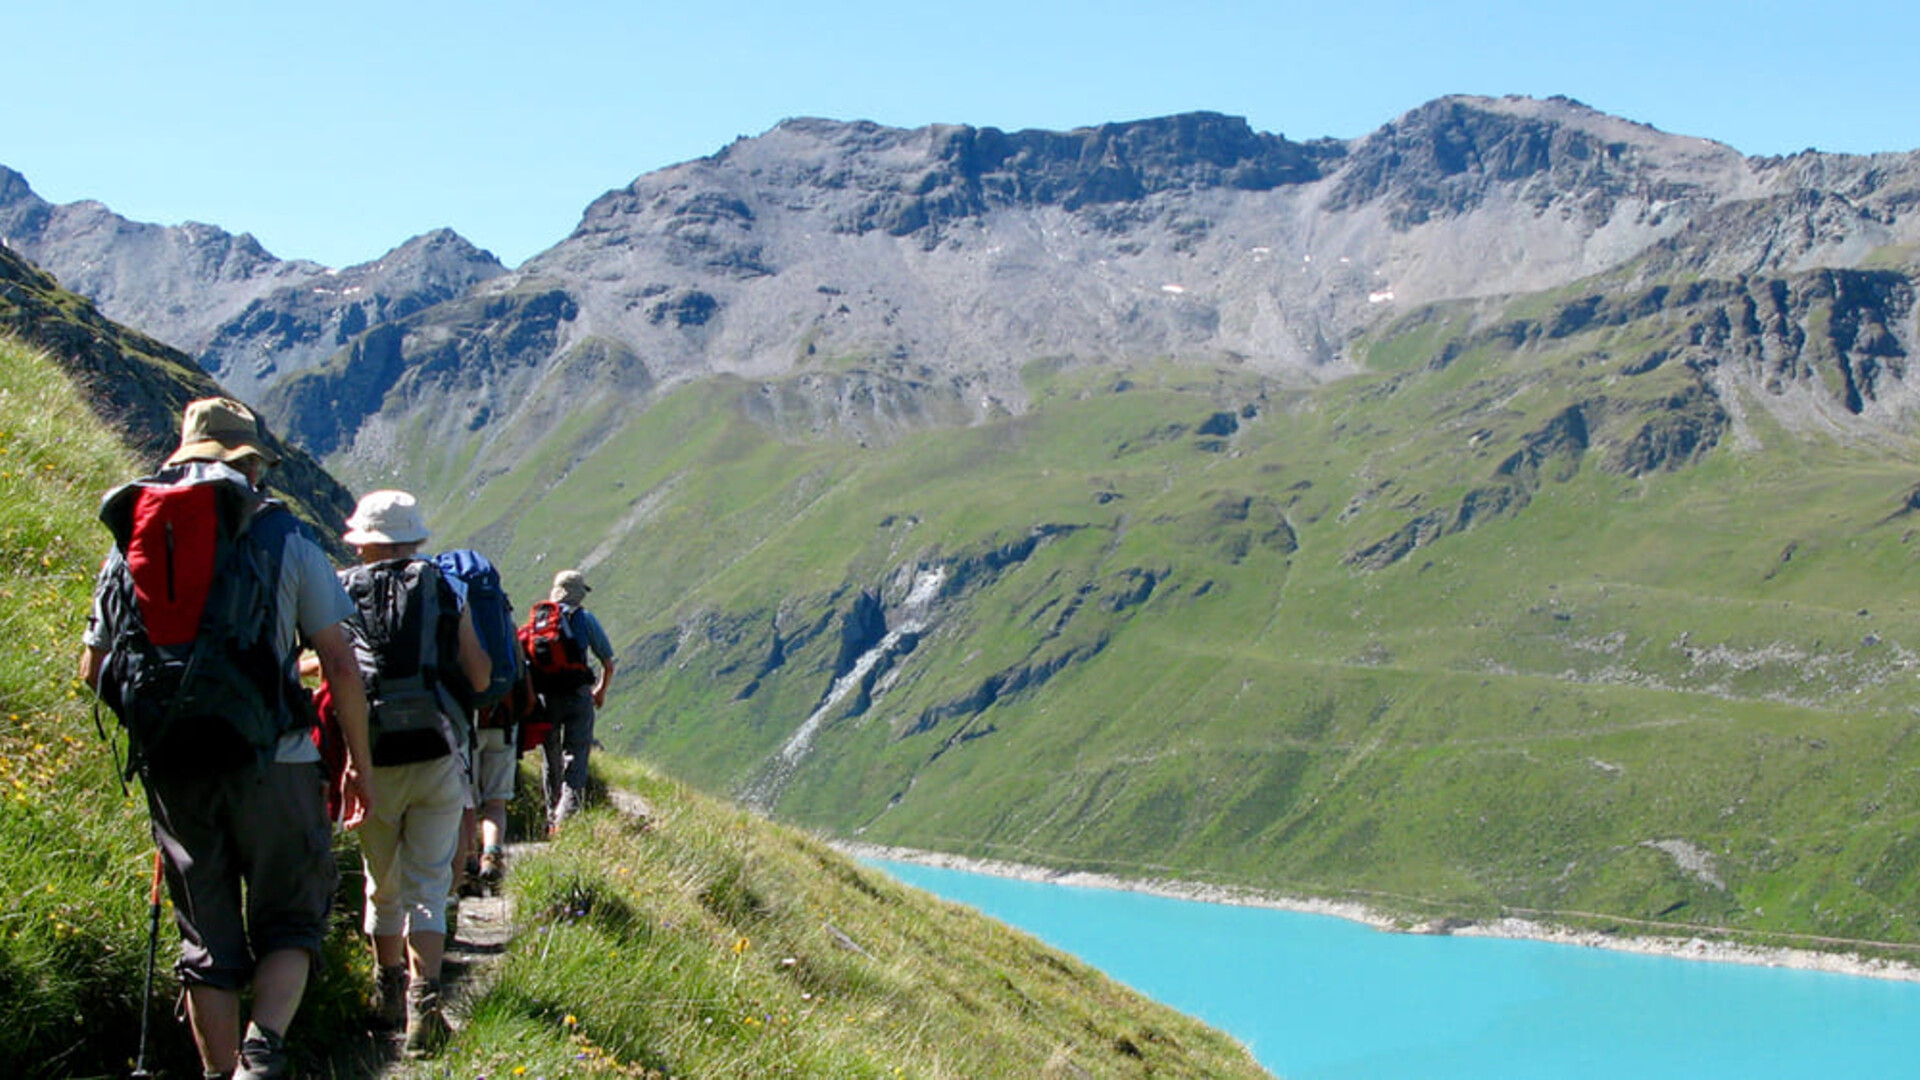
x: 474, y: 661
x: 600, y: 684
x: 335, y: 651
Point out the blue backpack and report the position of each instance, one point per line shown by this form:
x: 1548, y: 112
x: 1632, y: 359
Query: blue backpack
x: 492, y: 620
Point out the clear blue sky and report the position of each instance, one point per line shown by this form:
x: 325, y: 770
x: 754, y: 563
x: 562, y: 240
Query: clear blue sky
x: 336, y: 131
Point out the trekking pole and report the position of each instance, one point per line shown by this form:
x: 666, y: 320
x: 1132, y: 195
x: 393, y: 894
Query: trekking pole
x: 153, y: 949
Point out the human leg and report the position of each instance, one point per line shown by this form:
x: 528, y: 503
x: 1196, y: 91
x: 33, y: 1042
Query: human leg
x: 493, y: 835
x: 279, y: 982
x: 496, y: 766
x: 385, y: 920
x: 433, y: 827
x: 574, y: 722
x: 214, y: 1015
x: 286, y: 841
x: 379, y: 855
x: 493, y: 825
x: 408, y: 846
x: 191, y: 817
x: 421, y: 868
x: 552, y: 766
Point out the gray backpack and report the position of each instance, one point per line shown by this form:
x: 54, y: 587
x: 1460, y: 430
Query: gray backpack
x: 401, y: 632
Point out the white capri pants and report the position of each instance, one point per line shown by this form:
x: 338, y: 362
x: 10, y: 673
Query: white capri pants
x: 407, y: 845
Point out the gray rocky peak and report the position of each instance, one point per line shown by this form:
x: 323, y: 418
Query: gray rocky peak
x: 920, y: 271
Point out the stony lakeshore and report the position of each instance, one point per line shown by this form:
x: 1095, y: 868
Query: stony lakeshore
x: 1837, y: 960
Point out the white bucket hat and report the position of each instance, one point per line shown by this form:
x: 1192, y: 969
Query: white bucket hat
x: 386, y: 517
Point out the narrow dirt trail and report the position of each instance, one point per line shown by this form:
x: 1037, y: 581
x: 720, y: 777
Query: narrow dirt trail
x: 483, y: 929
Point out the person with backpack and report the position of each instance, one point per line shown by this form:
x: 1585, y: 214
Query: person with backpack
x: 417, y: 652
x: 495, y: 757
x: 560, y: 634
x: 496, y: 766
x: 200, y: 613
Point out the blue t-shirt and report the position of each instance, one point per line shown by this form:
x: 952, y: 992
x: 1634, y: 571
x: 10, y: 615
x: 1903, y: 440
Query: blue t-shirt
x: 587, y: 630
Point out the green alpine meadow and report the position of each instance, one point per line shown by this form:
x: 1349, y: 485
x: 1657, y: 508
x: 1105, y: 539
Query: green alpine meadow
x: 1533, y: 612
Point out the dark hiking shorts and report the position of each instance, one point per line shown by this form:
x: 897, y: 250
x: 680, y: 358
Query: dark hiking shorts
x: 264, y: 826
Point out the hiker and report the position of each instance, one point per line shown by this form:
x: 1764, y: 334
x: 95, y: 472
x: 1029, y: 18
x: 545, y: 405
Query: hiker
x: 496, y: 766
x: 413, y: 639
x: 560, y: 634
x: 494, y: 709
x: 480, y: 863
x: 233, y: 781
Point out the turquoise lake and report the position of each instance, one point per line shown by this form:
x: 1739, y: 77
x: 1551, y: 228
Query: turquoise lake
x: 1320, y: 998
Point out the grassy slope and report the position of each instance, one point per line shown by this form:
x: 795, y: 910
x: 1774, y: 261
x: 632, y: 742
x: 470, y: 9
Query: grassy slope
x: 73, y: 863
x: 1514, y: 716
x: 715, y: 945
x: 624, y: 921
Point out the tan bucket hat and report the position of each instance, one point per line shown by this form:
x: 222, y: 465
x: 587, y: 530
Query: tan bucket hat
x: 221, y: 429
x: 569, y: 587
x: 386, y: 517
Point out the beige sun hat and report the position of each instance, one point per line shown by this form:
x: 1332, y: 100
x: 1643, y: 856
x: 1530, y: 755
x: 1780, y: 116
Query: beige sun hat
x: 569, y: 587
x: 221, y: 429
x: 386, y: 517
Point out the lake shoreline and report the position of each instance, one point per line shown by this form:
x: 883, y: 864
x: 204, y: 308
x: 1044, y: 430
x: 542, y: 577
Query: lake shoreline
x: 1689, y: 948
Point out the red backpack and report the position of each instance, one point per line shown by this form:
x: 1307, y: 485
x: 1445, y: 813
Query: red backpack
x: 191, y: 667
x: 557, y: 659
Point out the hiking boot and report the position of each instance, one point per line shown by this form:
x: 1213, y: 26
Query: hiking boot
x: 427, y: 1027
x: 390, y: 998
x: 493, y: 867
x: 471, y: 883
x: 263, y: 1054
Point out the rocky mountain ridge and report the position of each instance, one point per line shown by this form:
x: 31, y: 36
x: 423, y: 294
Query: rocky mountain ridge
x: 931, y: 266
x: 244, y: 315
x: 921, y: 270
x: 140, y: 387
